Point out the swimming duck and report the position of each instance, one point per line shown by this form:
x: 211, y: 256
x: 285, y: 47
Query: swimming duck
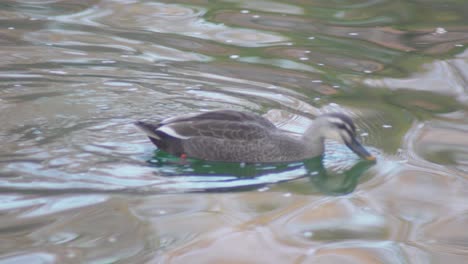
x: 236, y: 136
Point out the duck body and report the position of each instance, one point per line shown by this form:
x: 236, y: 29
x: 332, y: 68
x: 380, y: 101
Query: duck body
x: 235, y: 136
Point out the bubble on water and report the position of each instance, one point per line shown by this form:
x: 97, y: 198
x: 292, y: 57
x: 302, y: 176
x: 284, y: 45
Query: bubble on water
x: 118, y: 84
x: 311, y: 251
x: 58, y: 72
x: 440, y: 30
x: 103, y: 107
x: 71, y: 254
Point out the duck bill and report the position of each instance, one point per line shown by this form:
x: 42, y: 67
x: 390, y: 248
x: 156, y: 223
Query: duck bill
x: 357, y: 148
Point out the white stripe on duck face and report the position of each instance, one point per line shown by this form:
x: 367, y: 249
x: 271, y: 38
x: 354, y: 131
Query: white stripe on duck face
x: 168, y: 130
x: 339, y: 121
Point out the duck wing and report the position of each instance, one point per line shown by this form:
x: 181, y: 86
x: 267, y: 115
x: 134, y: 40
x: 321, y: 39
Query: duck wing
x: 198, y: 133
x: 220, y: 129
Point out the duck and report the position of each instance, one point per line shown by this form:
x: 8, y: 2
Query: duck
x: 240, y: 136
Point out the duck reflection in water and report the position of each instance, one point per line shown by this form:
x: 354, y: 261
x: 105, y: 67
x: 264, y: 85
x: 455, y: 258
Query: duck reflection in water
x: 306, y: 177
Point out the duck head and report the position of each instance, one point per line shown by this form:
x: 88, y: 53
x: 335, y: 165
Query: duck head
x: 339, y: 127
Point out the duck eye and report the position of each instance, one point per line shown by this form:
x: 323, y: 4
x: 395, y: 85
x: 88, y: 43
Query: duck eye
x: 346, y: 128
x: 341, y: 126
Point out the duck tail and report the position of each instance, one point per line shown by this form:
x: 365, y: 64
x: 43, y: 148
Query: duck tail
x: 149, y: 129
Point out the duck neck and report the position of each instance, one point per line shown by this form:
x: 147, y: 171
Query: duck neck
x: 313, y: 137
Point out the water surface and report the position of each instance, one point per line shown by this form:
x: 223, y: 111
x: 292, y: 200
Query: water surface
x: 79, y: 183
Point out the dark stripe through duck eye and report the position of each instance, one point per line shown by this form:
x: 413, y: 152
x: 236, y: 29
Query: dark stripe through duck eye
x: 345, y: 127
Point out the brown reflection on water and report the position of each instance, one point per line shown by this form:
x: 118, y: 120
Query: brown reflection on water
x: 440, y: 40
x: 382, y: 36
x: 445, y: 77
x: 289, y: 229
x: 432, y: 144
x: 51, y: 225
x: 183, y: 20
